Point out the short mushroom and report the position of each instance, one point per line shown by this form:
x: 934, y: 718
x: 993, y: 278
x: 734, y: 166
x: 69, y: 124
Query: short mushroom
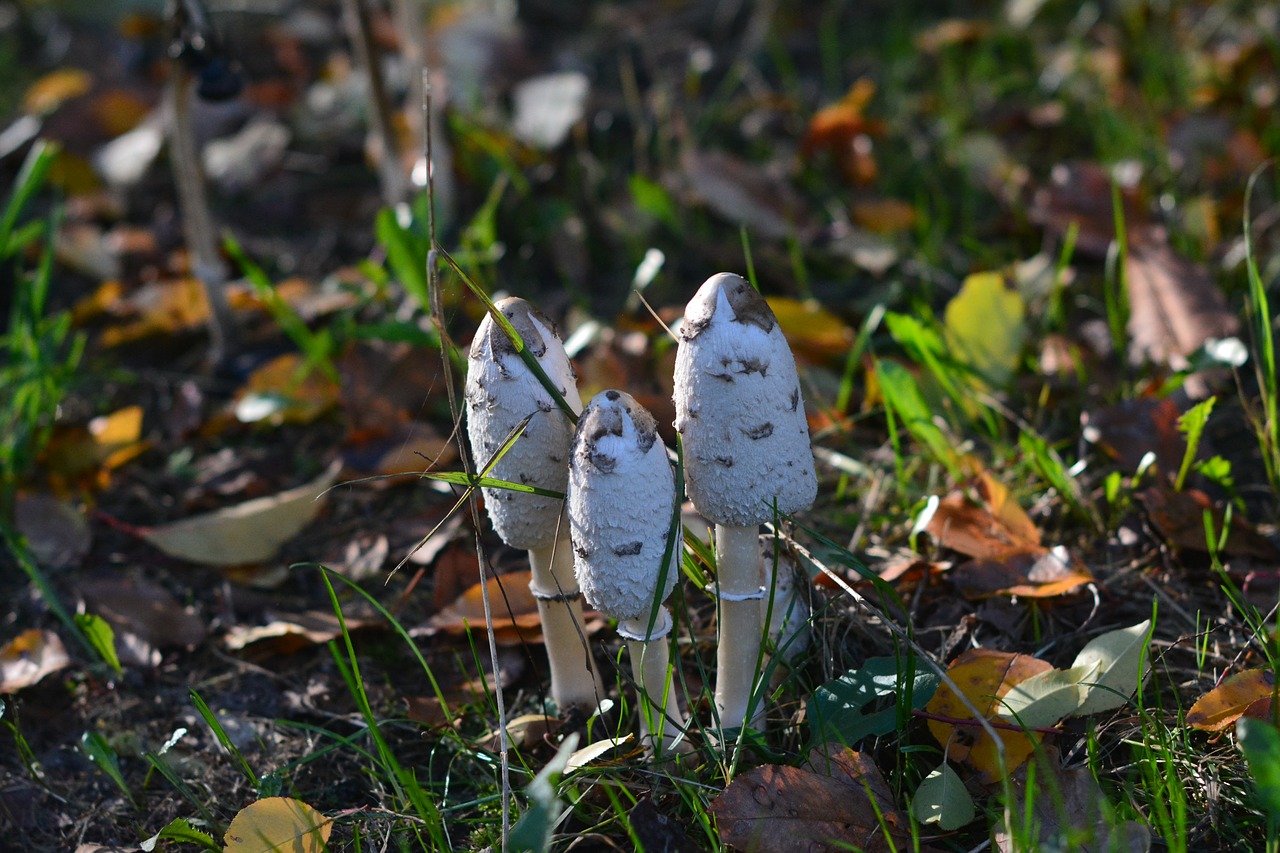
x: 501, y: 392
x: 622, y: 497
x: 741, y: 418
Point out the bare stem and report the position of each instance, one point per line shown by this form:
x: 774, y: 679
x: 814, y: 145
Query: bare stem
x: 574, y: 678
x: 739, y: 570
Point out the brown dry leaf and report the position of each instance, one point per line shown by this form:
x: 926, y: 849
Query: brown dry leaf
x: 56, y: 532
x: 1028, y: 573
x: 952, y: 31
x: 29, y: 657
x: 1006, y: 510
x: 1069, y: 811
x: 1080, y: 194
x: 973, y: 530
x: 844, y: 131
x: 144, y: 616
x: 984, y: 676
x: 1131, y: 429
x: 885, y: 215
x: 250, y: 532
x: 287, y: 633
x: 743, y: 193
x: 1245, y: 694
x: 286, y: 390
x: 515, y: 611
x: 837, y: 803
x: 1174, y: 306
x: 1179, y: 518
x: 384, y: 384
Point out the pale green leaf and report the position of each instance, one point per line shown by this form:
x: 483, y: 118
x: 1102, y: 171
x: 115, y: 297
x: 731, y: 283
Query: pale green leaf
x: 985, y: 326
x: 1260, y: 743
x: 1047, y: 697
x: 1119, y: 659
x: 942, y: 799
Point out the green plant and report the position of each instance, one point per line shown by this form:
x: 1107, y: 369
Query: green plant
x: 38, y: 352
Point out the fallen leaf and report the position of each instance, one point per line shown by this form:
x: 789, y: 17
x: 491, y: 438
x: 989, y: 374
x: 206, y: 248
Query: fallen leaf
x: 591, y: 752
x: 942, y: 799
x: 1174, y: 306
x: 843, y: 130
x: 984, y: 676
x: 985, y: 327
x: 952, y: 31
x: 839, y: 711
x: 1079, y: 194
x: 1131, y: 429
x: 144, y: 616
x: 250, y: 532
x: 278, y: 825
x: 56, y: 532
x: 974, y: 530
x: 1067, y: 810
x: 1045, y: 699
x: 838, y: 804
x: 159, y: 308
x: 655, y: 829
x: 287, y: 633
x: 885, y: 215
x: 29, y: 657
x: 743, y: 193
x: 812, y: 330
x: 1118, y: 661
x: 54, y: 89
x: 515, y: 610
x: 1245, y: 694
x: 286, y: 390
x: 1179, y: 519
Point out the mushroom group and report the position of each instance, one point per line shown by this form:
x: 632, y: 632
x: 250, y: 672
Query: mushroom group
x: 747, y: 460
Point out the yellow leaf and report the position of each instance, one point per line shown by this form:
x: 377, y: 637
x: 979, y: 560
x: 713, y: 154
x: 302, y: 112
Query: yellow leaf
x: 56, y: 88
x: 984, y: 676
x: 811, y: 329
x: 278, y: 824
x: 250, y: 532
x: 286, y: 390
x: 985, y: 329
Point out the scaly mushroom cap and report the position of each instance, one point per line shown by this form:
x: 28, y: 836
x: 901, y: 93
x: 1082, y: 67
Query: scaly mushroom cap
x: 501, y: 391
x: 622, y: 494
x: 738, y: 408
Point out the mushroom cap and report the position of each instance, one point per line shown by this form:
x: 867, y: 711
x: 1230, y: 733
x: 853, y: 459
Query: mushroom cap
x: 501, y: 391
x: 622, y: 494
x: 739, y: 410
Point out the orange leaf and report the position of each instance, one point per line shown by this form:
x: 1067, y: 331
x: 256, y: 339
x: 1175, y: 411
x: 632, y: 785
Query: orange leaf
x: 286, y: 390
x: 984, y: 676
x: 964, y: 526
x: 1247, y: 693
x: 56, y: 88
x: 515, y: 610
x: 884, y: 215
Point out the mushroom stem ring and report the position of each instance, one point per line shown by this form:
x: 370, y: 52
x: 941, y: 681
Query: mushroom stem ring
x: 756, y: 594
x: 635, y: 629
x: 542, y: 594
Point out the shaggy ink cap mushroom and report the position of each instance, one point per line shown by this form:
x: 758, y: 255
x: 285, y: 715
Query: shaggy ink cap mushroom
x: 739, y: 409
x: 621, y: 498
x: 501, y: 391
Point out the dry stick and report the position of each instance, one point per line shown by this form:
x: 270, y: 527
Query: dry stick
x: 446, y: 343
x: 394, y: 182
x: 197, y: 223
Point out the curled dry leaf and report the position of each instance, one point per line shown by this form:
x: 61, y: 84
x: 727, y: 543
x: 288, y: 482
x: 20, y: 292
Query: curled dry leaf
x: 984, y: 676
x: 250, y: 532
x: 984, y: 532
x: 1245, y: 694
x: 1179, y: 519
x: 839, y: 802
x: 29, y: 657
x: 1174, y: 306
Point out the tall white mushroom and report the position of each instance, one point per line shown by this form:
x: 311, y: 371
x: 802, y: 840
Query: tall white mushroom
x: 501, y: 392
x: 746, y: 452
x: 622, y: 496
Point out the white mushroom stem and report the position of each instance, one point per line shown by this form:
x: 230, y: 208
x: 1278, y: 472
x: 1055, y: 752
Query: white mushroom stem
x: 573, y: 671
x: 661, y: 724
x: 739, y: 570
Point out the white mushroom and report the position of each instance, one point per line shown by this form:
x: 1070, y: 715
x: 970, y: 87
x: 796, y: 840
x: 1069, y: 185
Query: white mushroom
x: 740, y: 414
x: 501, y: 392
x: 622, y: 497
